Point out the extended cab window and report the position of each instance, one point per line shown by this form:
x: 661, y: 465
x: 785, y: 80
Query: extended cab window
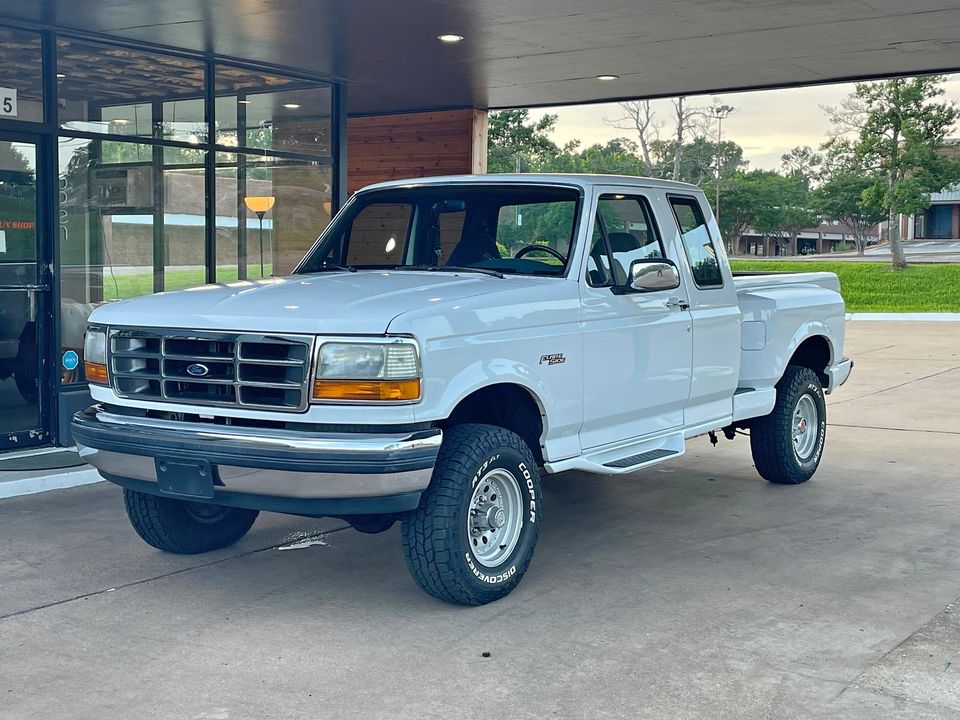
x: 697, y: 242
x: 623, y: 232
x: 513, y: 229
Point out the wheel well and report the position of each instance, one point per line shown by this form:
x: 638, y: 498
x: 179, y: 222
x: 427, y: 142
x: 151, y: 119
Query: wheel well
x: 813, y: 353
x: 505, y: 405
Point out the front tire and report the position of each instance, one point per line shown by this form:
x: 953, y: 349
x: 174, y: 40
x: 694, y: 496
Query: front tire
x: 472, y: 538
x: 787, y: 444
x: 185, y: 528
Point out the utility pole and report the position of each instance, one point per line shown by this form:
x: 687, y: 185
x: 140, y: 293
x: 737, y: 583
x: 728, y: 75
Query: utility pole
x: 719, y: 113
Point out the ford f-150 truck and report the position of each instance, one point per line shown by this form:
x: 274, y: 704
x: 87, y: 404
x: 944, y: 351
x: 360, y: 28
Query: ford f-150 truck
x: 444, y: 344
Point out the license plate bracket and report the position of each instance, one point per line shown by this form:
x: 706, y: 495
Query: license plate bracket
x: 186, y: 478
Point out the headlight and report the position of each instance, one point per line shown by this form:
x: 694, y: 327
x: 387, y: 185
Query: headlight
x: 380, y: 371
x: 95, y: 355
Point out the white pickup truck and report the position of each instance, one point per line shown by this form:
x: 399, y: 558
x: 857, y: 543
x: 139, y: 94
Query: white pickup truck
x: 443, y: 344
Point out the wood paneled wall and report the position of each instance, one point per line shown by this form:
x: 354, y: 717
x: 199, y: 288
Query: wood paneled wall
x: 412, y: 145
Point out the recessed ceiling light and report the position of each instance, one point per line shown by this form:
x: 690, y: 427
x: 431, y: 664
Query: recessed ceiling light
x: 60, y: 76
x: 291, y: 106
x: 449, y: 38
x: 121, y: 121
x: 244, y: 102
x: 607, y: 78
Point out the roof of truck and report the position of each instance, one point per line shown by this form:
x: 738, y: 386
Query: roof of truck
x: 580, y: 180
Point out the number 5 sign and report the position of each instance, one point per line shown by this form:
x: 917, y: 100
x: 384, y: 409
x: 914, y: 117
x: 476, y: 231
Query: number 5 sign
x: 8, y: 102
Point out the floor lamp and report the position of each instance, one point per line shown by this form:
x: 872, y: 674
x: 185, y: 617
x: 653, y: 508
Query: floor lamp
x: 261, y: 204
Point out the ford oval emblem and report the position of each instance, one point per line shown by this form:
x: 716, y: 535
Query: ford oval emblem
x: 197, y: 370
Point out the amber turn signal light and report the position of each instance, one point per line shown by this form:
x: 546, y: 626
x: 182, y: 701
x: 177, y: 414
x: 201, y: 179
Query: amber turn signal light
x: 95, y: 373
x: 366, y: 390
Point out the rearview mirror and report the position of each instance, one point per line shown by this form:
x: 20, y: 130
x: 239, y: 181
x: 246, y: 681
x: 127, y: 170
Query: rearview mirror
x: 653, y: 275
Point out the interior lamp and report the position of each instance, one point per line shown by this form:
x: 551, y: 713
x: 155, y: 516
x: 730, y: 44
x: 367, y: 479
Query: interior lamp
x: 261, y: 205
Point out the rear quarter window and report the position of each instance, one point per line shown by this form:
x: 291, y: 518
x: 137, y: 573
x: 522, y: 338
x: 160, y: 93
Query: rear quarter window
x: 697, y: 242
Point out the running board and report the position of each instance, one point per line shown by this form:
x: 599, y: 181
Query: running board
x: 625, y: 457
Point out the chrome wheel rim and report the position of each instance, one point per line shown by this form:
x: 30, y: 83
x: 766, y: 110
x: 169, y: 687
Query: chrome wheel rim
x: 806, y: 427
x: 494, y: 517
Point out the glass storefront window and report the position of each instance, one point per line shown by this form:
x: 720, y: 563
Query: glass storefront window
x: 130, y: 223
x: 260, y: 111
x: 21, y: 57
x: 137, y: 93
x: 301, y: 206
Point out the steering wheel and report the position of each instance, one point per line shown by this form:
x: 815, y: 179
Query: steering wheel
x: 546, y: 248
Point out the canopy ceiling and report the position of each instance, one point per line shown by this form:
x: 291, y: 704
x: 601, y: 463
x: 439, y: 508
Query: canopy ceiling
x: 537, y: 52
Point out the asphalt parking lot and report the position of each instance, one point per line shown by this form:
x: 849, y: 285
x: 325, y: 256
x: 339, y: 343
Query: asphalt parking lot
x: 693, y: 590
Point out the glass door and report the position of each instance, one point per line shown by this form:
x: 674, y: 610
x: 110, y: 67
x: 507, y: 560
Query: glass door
x: 24, y: 298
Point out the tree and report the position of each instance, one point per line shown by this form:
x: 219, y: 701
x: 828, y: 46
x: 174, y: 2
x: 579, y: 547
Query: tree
x: 900, y: 132
x: 801, y: 161
x: 740, y: 202
x: 840, y: 197
x: 638, y: 115
x: 516, y: 143
x: 685, y: 118
x: 698, y: 164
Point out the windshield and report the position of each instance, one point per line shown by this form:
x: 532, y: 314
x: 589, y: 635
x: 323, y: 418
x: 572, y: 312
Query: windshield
x: 509, y: 229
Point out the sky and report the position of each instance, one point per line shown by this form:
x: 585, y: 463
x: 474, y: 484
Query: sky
x: 766, y: 123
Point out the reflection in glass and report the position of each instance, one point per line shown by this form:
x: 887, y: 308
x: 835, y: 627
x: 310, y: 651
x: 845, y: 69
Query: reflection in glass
x: 19, y: 363
x: 260, y: 111
x: 131, y: 222
x: 124, y: 91
x: 301, y: 210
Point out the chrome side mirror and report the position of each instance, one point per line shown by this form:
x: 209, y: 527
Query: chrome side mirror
x: 653, y: 275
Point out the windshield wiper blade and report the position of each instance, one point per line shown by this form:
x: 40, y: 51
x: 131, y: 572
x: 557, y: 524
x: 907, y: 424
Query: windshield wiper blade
x: 451, y: 268
x: 334, y: 266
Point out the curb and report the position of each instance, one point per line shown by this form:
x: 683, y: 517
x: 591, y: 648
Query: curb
x: 60, y: 481
x: 907, y: 316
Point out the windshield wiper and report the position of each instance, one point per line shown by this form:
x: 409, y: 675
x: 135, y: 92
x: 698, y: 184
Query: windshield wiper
x: 451, y: 268
x: 333, y: 266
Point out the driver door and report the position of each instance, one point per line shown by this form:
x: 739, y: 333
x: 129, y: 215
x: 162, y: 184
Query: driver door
x: 636, y: 346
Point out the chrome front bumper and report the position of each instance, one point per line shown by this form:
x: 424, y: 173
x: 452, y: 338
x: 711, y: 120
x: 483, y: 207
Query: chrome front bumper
x: 301, y: 472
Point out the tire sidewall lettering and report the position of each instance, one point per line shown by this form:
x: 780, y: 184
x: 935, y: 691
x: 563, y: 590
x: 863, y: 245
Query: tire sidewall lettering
x: 526, y: 482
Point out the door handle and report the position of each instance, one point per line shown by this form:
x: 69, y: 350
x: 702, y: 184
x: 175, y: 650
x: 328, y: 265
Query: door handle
x: 678, y: 303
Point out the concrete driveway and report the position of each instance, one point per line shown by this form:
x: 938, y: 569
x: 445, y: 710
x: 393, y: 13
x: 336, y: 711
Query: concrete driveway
x: 695, y: 590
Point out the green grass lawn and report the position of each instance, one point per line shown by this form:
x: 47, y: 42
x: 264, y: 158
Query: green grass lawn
x: 121, y: 287
x: 874, y: 287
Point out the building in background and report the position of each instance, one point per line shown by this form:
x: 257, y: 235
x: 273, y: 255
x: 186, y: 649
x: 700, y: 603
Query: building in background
x: 828, y: 237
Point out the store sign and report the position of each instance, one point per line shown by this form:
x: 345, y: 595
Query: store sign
x: 8, y: 102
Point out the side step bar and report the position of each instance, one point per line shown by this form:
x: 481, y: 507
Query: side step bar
x: 625, y: 457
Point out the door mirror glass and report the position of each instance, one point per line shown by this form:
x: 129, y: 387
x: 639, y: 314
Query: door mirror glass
x: 653, y: 275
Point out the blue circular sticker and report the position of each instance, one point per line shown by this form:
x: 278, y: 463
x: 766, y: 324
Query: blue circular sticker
x: 70, y: 359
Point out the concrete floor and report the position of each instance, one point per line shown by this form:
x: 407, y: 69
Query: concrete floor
x: 694, y: 590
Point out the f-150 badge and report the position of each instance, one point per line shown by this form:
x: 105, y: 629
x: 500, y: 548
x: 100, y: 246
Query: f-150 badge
x: 553, y: 359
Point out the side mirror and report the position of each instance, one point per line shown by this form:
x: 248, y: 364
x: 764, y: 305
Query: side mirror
x: 652, y: 275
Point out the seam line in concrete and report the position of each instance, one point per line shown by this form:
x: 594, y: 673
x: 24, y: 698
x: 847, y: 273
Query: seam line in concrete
x: 144, y: 581
x: 894, y: 387
x: 877, y: 427
x: 896, y: 647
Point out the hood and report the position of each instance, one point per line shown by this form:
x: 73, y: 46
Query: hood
x: 332, y: 303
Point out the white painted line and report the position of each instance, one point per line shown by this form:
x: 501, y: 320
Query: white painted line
x: 59, y: 481
x: 908, y: 316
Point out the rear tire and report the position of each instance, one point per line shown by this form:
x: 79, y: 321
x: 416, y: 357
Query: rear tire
x: 185, y: 528
x: 787, y: 444
x: 472, y: 538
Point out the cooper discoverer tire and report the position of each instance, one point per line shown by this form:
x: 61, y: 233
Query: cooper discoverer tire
x: 472, y: 538
x: 787, y: 444
x: 185, y: 528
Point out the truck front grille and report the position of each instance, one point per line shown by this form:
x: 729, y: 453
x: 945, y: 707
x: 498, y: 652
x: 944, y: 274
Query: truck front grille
x: 200, y: 368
